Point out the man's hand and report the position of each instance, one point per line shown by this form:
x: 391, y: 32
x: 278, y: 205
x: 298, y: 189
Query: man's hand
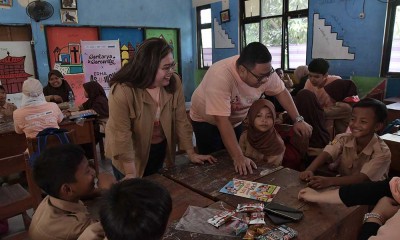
x: 308, y: 194
x: 57, y: 99
x: 105, y: 180
x: 302, y: 129
x: 306, y: 175
x: 319, y: 182
x: 197, y: 158
x: 244, y: 164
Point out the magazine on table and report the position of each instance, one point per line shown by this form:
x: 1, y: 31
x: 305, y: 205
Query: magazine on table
x: 253, y: 190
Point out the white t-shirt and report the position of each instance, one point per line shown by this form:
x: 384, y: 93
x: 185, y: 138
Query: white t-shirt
x: 223, y: 93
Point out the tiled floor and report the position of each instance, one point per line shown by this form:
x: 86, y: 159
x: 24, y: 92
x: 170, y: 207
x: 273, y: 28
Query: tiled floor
x: 16, y: 223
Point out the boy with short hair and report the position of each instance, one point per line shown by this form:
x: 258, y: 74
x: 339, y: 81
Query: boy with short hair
x: 135, y: 209
x: 362, y: 154
x: 64, y: 173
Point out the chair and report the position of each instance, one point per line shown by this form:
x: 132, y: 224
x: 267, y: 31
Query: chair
x: 14, y: 199
x: 52, y: 140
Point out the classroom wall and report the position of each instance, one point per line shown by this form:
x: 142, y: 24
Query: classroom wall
x: 133, y: 13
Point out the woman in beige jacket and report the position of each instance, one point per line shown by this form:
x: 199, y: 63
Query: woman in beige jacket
x: 147, y: 114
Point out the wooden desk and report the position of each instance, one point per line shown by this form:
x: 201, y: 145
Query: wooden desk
x: 208, y: 179
x: 393, y: 111
x: 181, y: 196
x: 393, y: 142
x: 12, y: 143
x: 321, y: 221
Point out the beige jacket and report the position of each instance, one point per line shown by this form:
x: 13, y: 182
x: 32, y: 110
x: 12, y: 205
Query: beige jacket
x: 130, y: 125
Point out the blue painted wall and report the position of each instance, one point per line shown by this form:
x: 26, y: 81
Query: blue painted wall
x: 135, y: 13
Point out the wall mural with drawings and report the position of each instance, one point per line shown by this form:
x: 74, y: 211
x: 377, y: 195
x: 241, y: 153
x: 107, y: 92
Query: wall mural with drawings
x: 65, y: 54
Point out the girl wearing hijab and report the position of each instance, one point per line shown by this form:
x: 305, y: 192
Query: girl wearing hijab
x: 57, y: 89
x: 344, y: 94
x: 35, y: 114
x: 261, y: 141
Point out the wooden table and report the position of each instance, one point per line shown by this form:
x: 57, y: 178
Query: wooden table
x: 321, y: 221
x: 393, y: 111
x: 393, y: 142
x: 181, y: 196
x: 12, y: 143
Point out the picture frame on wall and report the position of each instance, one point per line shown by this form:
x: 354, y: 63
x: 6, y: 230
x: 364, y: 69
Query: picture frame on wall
x: 69, y: 16
x: 5, y: 3
x: 68, y: 4
x: 225, y: 16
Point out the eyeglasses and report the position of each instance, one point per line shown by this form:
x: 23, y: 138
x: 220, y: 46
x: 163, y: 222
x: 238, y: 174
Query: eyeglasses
x: 260, y: 78
x: 171, y: 67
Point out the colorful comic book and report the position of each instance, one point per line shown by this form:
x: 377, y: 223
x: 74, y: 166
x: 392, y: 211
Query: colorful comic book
x: 281, y: 232
x: 253, y: 190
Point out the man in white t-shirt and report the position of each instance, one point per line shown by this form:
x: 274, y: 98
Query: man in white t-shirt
x: 221, y: 102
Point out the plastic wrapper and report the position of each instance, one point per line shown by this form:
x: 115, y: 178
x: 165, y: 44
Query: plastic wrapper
x: 250, y: 207
x: 221, y: 218
x: 195, y: 220
x: 257, y: 218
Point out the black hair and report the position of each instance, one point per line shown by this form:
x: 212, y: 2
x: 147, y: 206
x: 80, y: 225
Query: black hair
x: 57, y: 166
x: 279, y: 70
x: 377, y: 106
x: 252, y: 54
x: 318, y: 65
x: 135, y: 209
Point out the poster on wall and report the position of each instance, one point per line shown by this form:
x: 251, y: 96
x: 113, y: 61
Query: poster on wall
x: 101, y: 60
x: 129, y: 40
x: 65, y: 54
x: 171, y: 36
x: 16, y: 65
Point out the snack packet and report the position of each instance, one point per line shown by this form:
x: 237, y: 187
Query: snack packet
x: 250, y: 207
x: 221, y: 218
x: 257, y: 218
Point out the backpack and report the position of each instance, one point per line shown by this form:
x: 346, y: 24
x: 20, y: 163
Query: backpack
x: 42, y: 136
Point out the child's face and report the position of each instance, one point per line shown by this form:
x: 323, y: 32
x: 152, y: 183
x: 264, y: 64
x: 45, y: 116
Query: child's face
x: 55, y: 81
x: 363, y: 122
x: 317, y: 79
x: 263, y: 120
x: 395, y: 188
x: 84, y: 176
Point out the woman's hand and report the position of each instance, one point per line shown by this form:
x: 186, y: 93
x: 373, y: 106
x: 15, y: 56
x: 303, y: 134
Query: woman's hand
x: 197, y: 158
x: 56, y: 98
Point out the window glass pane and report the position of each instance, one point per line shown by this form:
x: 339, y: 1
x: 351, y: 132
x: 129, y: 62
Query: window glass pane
x: 271, y: 36
x: 297, y: 42
x: 252, y: 8
x: 298, y: 5
x: 206, y: 40
x: 251, y: 32
x: 394, y: 65
x: 271, y: 7
x: 205, y: 16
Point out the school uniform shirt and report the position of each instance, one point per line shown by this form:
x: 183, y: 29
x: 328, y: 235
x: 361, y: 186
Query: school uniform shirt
x: 58, y: 219
x: 323, y: 98
x: 93, y: 232
x: 129, y: 129
x: 373, y: 160
x: 7, y: 109
x: 33, y: 119
x: 223, y: 93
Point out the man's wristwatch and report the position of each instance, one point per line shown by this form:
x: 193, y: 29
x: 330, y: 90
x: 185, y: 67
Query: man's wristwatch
x: 299, y: 119
x: 373, y: 215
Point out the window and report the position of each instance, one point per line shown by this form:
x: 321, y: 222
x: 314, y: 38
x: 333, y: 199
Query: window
x: 391, y: 49
x: 204, y: 36
x: 281, y: 25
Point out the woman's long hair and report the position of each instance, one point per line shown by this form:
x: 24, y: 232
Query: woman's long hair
x: 140, y: 72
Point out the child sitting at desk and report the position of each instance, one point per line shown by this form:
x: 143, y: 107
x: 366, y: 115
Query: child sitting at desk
x: 64, y: 174
x: 363, y: 155
x: 261, y: 141
x: 35, y: 113
x: 386, y: 214
x: 6, y: 109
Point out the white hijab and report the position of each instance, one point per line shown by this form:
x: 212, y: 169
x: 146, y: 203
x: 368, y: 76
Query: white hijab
x: 32, y: 93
